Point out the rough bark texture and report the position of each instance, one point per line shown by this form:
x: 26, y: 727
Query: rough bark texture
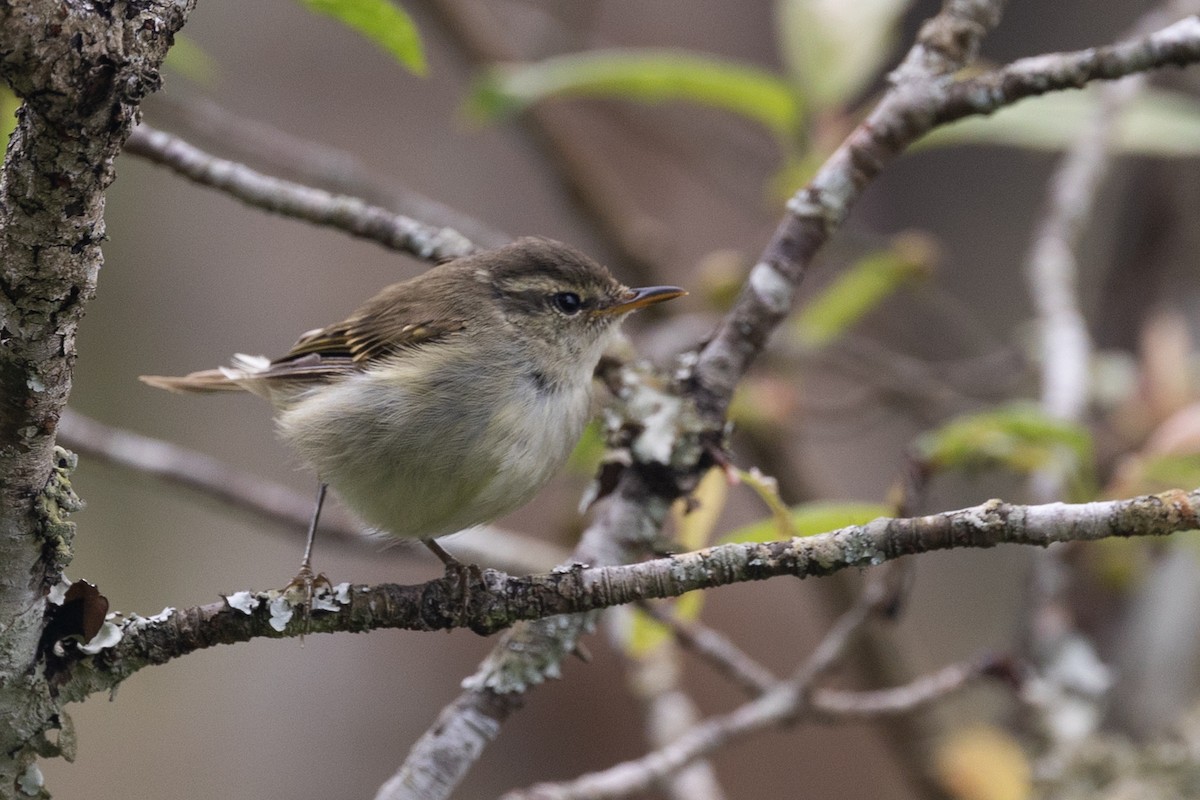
x: 81, y: 69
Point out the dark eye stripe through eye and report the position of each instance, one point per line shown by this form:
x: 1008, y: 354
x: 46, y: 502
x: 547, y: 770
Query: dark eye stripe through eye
x: 568, y: 303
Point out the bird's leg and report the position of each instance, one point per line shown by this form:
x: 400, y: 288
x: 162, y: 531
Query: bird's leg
x: 448, y: 560
x: 305, y: 580
x: 463, y: 574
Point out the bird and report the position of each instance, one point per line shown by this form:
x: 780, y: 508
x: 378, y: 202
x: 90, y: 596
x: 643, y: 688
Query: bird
x: 447, y: 400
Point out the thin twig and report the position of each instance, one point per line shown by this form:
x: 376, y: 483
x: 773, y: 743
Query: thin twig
x: 781, y: 703
x: 314, y: 163
x: 715, y: 649
x: 654, y: 676
x: 348, y: 214
x: 842, y: 704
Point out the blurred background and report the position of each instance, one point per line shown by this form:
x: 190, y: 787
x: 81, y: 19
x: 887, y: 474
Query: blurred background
x: 671, y: 192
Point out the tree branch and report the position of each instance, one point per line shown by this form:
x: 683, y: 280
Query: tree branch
x: 494, y: 600
x: 348, y: 214
x: 910, y: 109
x: 782, y: 703
x: 81, y: 71
x: 314, y: 163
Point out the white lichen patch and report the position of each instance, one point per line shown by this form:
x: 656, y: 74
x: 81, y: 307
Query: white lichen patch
x: 281, y: 613
x: 331, y: 598
x: 771, y: 287
x: 58, y: 592
x: 136, y: 622
x: 244, y: 602
x: 859, y: 549
x: 162, y: 616
x: 108, y: 636
x: 657, y: 439
x: 31, y: 781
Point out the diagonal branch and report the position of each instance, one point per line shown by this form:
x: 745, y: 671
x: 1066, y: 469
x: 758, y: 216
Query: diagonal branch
x: 908, y: 111
x: 784, y: 702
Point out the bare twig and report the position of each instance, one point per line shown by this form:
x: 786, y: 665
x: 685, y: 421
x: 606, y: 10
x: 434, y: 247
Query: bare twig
x: 781, y: 703
x: 716, y: 650
x: 348, y: 214
x: 841, y: 704
x: 316, y: 164
x: 654, y: 676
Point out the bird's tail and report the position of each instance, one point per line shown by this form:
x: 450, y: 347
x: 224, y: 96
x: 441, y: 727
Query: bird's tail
x: 222, y: 379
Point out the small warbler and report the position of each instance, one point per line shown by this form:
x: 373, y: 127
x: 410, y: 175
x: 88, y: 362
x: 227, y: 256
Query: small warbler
x: 447, y: 400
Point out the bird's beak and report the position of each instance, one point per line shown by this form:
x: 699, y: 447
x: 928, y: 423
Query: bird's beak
x: 640, y: 298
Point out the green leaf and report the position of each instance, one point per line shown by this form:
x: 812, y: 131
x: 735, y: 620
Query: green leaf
x: 9, y: 103
x: 696, y: 517
x: 646, y: 633
x: 189, y: 60
x: 384, y: 23
x: 648, y: 76
x: 1172, y: 471
x: 809, y: 519
x: 586, y: 456
x: 834, y: 48
x: 1020, y: 437
x: 1156, y: 123
x: 862, y: 287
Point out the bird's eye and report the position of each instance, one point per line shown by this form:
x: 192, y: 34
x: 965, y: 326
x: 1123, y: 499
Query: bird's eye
x: 568, y: 303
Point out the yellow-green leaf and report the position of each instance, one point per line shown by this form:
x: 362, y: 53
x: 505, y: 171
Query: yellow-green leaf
x: 834, y: 48
x: 585, y: 458
x: 648, y: 76
x: 862, y: 287
x: 1157, y: 123
x: 646, y: 633
x: 694, y: 529
x: 1158, y: 473
x: 1020, y: 437
x: 382, y: 22
x: 189, y: 60
x: 9, y: 103
x: 809, y: 519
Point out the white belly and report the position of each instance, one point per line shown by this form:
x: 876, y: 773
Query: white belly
x: 421, y: 458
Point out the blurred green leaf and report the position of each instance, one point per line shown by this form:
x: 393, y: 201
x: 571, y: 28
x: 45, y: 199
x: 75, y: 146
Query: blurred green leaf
x: 9, y: 103
x: 1020, y: 437
x: 1174, y: 471
x: 381, y: 21
x: 649, y: 76
x: 693, y: 530
x: 189, y: 60
x: 862, y: 287
x: 834, y: 48
x: 809, y: 519
x: 585, y: 458
x: 1157, y: 123
x: 646, y: 633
